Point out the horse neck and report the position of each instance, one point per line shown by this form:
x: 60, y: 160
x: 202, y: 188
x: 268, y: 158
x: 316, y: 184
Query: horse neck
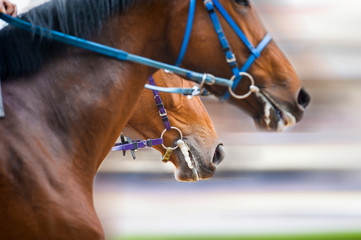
x: 82, y: 101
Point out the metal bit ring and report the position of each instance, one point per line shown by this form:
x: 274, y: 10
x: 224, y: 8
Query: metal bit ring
x: 252, y: 87
x: 180, y: 133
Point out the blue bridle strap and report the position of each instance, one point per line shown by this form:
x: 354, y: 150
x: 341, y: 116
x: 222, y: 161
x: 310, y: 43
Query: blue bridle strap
x: 255, y: 52
x: 185, y: 91
x: 230, y: 57
x: 113, y: 52
x: 187, y: 35
x: 235, y: 27
x: 248, y: 64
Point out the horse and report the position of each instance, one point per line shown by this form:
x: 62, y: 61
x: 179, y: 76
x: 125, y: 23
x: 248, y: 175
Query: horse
x: 66, y: 106
x: 193, y: 122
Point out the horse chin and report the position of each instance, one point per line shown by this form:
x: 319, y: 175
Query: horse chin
x: 274, y: 118
x: 199, y: 170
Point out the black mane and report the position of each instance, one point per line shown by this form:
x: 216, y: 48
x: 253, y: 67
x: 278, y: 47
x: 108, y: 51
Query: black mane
x: 22, y: 53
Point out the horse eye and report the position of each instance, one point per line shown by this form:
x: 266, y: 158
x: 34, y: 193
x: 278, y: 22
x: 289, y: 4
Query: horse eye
x: 242, y: 2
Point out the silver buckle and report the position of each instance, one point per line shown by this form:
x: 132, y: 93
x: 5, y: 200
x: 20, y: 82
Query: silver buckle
x: 230, y: 60
x: 163, y: 114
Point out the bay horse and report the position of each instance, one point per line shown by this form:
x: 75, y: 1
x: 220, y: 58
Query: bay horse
x: 187, y: 115
x: 66, y: 106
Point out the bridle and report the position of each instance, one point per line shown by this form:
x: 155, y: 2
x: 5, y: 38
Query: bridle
x: 201, y: 78
x: 131, y: 145
x: 238, y: 73
x: 230, y: 57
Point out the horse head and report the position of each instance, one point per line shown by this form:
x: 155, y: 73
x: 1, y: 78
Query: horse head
x: 281, y: 100
x: 192, y: 120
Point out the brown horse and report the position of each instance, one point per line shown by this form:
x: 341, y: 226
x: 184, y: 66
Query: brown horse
x: 190, y: 116
x: 65, y: 106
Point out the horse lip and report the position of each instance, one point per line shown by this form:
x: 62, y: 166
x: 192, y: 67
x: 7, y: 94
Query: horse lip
x: 195, y: 166
x: 285, y: 118
x: 199, y: 171
x: 195, y: 171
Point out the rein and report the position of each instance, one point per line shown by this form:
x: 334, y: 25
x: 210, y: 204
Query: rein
x: 112, y: 52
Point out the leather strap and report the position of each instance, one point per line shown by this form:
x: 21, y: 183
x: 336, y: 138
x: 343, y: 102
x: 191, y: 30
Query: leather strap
x: 137, y: 144
x: 187, y: 35
x: 248, y: 63
x: 255, y: 52
x: 111, y: 52
x: 160, y: 105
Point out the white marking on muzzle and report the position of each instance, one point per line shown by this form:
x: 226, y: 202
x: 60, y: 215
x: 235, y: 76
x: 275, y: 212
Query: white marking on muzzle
x: 291, y: 120
x: 267, y: 109
x: 267, y: 113
x: 281, y: 124
x: 185, y: 151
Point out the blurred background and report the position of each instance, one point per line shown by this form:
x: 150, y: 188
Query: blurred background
x: 305, y: 181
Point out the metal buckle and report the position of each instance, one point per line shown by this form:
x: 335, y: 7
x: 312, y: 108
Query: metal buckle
x: 196, y: 92
x: 149, y: 143
x: 135, y: 145
x: 163, y: 114
x: 231, y: 60
x: 213, y: 79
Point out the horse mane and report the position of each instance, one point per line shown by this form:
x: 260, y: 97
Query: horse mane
x: 23, y: 53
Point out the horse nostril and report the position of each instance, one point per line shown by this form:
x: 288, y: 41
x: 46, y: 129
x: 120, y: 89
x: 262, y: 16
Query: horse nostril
x: 219, y: 155
x: 303, y: 98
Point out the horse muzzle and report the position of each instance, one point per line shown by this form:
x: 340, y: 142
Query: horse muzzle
x: 278, y: 116
x: 203, y: 166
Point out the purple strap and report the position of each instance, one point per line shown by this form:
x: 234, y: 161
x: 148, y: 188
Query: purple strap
x: 137, y: 144
x: 160, y: 105
x: 134, y: 145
